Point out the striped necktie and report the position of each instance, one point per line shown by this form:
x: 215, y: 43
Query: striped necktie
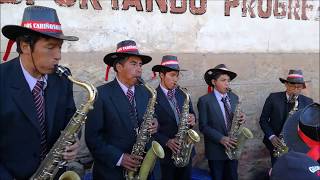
x: 40, y: 104
x: 228, y: 113
x: 132, y: 109
x: 172, y: 99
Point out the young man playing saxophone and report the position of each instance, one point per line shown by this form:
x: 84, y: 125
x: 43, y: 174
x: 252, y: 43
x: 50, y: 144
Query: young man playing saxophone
x: 216, y: 111
x: 170, y: 100
x: 278, y: 105
x: 35, y: 103
x: 112, y: 125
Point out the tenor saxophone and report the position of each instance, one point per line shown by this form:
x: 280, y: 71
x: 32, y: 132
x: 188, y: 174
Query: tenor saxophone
x: 143, y: 137
x: 185, y: 136
x: 281, y: 150
x: 54, y: 159
x: 242, y: 134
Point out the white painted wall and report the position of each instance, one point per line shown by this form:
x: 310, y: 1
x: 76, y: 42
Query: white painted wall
x: 212, y: 32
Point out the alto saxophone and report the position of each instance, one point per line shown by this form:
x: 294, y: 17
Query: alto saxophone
x: 54, y: 159
x: 185, y: 136
x: 143, y: 137
x: 279, y: 151
x: 238, y: 132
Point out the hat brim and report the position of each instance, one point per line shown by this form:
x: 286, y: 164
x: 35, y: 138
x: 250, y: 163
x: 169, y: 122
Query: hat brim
x: 111, y: 58
x: 291, y: 136
x: 158, y: 68
x: 209, y: 76
x: 13, y: 31
x: 283, y: 81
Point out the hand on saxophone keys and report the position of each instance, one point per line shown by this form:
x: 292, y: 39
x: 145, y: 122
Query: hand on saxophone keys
x: 242, y: 118
x: 153, y: 127
x: 71, y: 151
x: 191, y: 120
x: 276, y: 142
x: 173, y: 145
x: 228, y: 142
x: 131, y: 162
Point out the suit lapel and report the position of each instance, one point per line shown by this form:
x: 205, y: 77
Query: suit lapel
x: 121, y: 103
x: 164, y: 103
x: 51, y: 97
x: 180, y: 98
x: 216, y: 107
x: 233, y: 102
x: 283, y: 107
x: 22, y: 95
x: 140, y: 103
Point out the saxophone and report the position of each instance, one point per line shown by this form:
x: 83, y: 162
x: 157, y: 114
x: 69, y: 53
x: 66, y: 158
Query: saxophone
x: 238, y: 132
x: 186, y: 137
x: 279, y: 151
x: 54, y: 160
x: 143, y: 138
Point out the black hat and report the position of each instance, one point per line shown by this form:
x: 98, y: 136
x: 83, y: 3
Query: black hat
x: 35, y: 20
x: 295, y: 77
x: 169, y: 62
x: 209, y: 75
x: 297, y: 166
x: 124, y: 49
x: 301, y: 131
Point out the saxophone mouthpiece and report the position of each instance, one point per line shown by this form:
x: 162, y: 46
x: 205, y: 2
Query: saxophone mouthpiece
x: 61, y: 70
x: 140, y: 80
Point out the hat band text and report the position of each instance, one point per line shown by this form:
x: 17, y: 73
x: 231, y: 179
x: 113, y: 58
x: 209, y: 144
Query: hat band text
x: 42, y: 26
x: 127, y: 48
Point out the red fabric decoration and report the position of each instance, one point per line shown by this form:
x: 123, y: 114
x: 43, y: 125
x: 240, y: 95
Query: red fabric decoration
x: 209, y: 89
x: 107, y: 73
x: 9, y: 46
x: 314, y: 146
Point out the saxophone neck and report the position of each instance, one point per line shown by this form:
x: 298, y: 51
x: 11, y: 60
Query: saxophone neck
x: 185, y: 92
x: 149, y: 88
x: 64, y: 71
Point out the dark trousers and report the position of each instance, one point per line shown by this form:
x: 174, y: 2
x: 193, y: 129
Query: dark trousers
x: 223, y: 169
x: 170, y: 172
x: 273, y: 159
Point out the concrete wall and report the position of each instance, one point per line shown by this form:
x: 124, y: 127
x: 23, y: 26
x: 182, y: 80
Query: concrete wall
x: 259, y: 49
x: 211, y: 32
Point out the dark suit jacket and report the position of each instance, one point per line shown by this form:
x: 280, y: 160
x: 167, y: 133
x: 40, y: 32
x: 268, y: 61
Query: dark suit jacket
x: 274, y: 114
x: 109, y: 129
x: 212, y: 124
x: 168, y: 126
x: 19, y: 126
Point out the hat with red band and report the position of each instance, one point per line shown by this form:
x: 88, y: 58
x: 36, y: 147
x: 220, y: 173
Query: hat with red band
x: 36, y: 20
x: 294, y: 77
x: 302, y: 131
x: 168, y: 62
x: 221, y: 68
x: 124, y: 49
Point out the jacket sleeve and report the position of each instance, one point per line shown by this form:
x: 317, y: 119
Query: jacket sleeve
x: 265, y: 117
x: 101, y: 151
x: 204, y: 127
x: 191, y: 111
x: 4, y: 174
